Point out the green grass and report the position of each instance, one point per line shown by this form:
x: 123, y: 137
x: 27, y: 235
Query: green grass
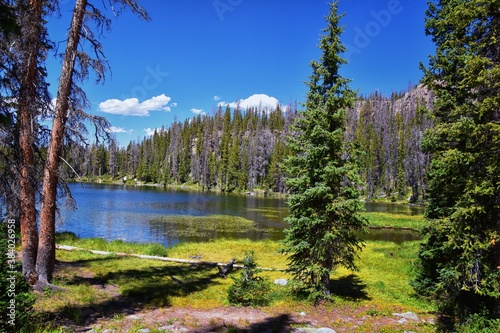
x: 377, y: 219
x: 381, y: 283
x: 385, y: 269
x: 206, y: 226
x: 116, y: 246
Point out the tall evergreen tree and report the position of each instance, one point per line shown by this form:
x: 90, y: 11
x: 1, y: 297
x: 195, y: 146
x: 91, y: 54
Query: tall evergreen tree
x: 324, y: 222
x: 460, y: 260
x: 24, y: 99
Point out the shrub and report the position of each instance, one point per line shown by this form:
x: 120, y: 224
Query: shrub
x: 66, y: 236
x: 16, y: 297
x: 156, y: 250
x: 249, y: 289
x: 478, y: 323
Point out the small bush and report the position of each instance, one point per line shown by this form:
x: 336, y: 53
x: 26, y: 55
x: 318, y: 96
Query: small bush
x: 478, y: 323
x: 66, y: 236
x: 16, y: 297
x: 156, y: 250
x: 249, y: 289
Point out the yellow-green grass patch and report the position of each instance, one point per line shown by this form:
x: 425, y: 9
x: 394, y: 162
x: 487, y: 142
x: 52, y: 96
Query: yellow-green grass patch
x: 378, y: 219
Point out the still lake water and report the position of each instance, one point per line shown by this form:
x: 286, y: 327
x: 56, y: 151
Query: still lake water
x: 130, y: 213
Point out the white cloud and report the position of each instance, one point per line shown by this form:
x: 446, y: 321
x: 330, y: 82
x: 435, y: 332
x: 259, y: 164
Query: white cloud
x: 259, y: 101
x: 114, y: 129
x: 174, y: 105
x: 217, y: 98
x: 132, y: 106
x: 151, y: 131
x: 198, y: 111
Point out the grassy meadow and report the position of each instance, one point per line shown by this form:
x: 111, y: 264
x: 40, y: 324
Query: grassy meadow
x: 379, y: 288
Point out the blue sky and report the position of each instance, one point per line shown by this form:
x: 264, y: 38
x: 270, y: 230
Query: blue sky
x: 197, y: 54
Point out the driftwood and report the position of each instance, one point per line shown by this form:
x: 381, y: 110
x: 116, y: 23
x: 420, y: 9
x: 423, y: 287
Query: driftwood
x: 143, y: 256
x: 392, y: 228
x: 224, y: 271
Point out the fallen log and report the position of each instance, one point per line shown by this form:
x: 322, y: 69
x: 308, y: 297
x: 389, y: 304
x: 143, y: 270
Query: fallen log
x: 143, y: 256
x: 392, y: 228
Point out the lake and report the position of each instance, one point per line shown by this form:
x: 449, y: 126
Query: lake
x: 131, y: 213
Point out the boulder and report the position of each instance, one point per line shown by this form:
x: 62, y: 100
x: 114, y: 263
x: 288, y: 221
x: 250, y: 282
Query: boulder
x: 281, y: 282
x: 407, y: 315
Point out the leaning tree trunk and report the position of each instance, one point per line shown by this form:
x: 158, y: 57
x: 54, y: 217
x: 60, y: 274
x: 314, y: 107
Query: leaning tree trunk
x: 31, y: 26
x: 46, y: 248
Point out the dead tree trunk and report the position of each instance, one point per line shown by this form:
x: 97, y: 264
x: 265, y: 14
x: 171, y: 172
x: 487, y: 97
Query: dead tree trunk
x: 224, y: 271
x: 46, y: 250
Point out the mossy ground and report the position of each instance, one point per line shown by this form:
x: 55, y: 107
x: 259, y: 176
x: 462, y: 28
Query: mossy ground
x: 109, y: 286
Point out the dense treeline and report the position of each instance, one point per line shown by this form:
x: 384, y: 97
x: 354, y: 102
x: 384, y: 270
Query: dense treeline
x: 230, y: 150
x: 241, y: 150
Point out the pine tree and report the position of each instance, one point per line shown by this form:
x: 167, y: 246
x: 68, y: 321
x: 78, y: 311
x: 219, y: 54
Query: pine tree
x: 24, y: 67
x: 234, y: 175
x: 460, y: 260
x: 324, y: 205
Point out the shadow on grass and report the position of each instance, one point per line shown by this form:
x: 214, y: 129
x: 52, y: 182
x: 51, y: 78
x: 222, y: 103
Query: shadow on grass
x: 129, y: 290
x: 150, y: 286
x: 279, y: 324
x: 349, y: 287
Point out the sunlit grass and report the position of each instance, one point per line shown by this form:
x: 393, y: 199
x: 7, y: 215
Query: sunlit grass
x: 223, y: 250
x: 378, y: 219
x: 385, y: 270
x: 382, y: 280
x: 116, y: 246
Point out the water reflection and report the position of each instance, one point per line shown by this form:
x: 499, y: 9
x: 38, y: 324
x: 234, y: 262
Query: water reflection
x: 396, y: 236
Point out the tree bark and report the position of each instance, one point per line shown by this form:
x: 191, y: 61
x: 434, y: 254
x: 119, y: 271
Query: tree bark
x: 226, y: 269
x: 46, y: 250
x: 325, y: 280
x: 26, y: 114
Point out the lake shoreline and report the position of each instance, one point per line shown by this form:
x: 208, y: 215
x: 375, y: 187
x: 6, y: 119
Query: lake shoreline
x: 256, y: 192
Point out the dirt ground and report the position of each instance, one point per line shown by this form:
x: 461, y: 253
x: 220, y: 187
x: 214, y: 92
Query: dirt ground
x: 231, y: 319
x: 236, y: 319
